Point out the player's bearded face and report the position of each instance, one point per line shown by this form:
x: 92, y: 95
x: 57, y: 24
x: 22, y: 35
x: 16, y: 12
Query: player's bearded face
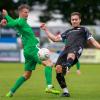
x: 24, y: 13
x: 75, y: 20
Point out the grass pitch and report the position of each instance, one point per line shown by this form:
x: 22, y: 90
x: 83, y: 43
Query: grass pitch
x: 83, y: 87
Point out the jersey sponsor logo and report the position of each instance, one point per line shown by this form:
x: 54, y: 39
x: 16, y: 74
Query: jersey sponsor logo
x: 77, y: 30
x: 90, y: 37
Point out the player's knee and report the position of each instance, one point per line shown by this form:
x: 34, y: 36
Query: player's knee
x: 71, y: 56
x: 47, y: 63
x: 58, y: 69
x: 27, y: 75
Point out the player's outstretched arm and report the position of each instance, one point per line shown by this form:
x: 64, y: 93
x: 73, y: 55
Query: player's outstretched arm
x: 11, y: 22
x: 94, y: 43
x: 5, y: 23
x: 6, y: 16
x: 49, y: 34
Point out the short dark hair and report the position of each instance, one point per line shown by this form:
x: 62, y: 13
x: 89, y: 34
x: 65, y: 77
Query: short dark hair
x: 76, y: 13
x: 23, y: 6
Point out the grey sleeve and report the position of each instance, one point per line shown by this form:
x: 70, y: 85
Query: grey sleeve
x: 88, y: 34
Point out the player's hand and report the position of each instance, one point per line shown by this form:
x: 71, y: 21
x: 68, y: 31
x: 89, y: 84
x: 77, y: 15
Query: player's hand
x: 43, y: 26
x: 4, y: 12
x: 3, y: 22
x: 58, y: 37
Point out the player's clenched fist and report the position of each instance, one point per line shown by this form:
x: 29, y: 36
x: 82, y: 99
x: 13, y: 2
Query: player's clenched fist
x: 43, y: 26
x: 4, y: 12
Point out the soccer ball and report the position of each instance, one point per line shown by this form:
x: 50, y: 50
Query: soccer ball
x: 44, y: 54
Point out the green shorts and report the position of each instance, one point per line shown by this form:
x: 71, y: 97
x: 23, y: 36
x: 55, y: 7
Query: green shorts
x: 31, y: 58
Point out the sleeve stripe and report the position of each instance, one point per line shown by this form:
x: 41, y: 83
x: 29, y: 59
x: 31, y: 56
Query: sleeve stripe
x: 90, y: 38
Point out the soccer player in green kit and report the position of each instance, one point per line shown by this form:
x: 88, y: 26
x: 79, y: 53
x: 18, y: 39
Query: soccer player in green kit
x: 29, y: 42
x: 47, y: 72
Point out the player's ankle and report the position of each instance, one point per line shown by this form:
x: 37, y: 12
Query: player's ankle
x: 50, y: 86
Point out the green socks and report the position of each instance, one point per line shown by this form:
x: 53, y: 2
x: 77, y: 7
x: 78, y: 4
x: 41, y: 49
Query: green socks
x: 48, y: 75
x: 21, y: 80
x: 18, y: 83
x: 78, y: 65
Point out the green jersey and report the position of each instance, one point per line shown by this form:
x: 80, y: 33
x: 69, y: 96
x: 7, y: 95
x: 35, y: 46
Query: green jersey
x: 29, y: 41
x: 24, y: 30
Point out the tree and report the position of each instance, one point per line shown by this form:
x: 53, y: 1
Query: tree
x: 90, y: 9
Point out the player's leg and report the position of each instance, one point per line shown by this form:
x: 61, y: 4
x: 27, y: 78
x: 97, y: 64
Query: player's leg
x: 60, y: 75
x: 78, y: 67
x: 61, y: 81
x: 48, y: 77
x: 19, y: 82
x: 63, y: 63
x: 48, y: 73
x: 21, y: 79
x: 29, y: 66
x: 70, y: 60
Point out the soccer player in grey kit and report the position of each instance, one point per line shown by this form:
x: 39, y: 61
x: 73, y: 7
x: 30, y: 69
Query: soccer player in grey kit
x: 75, y: 40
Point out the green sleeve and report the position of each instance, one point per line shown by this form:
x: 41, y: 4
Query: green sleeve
x: 78, y: 65
x: 14, y: 23
x: 8, y: 18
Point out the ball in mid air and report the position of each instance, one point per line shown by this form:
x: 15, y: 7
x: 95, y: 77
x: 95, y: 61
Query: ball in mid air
x: 44, y: 54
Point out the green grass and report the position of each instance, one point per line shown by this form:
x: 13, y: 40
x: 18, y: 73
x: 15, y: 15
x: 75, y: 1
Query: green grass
x: 83, y: 87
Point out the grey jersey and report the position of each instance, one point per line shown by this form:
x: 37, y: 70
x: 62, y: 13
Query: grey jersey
x: 77, y: 36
